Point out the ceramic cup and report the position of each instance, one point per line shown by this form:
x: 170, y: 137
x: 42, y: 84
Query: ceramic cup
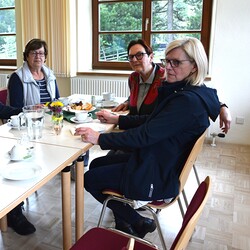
x: 14, y: 121
x: 82, y: 116
x: 108, y: 96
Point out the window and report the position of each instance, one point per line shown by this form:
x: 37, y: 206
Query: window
x: 7, y: 33
x: 116, y: 23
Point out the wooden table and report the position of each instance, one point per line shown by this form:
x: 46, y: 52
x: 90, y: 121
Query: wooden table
x: 70, y: 148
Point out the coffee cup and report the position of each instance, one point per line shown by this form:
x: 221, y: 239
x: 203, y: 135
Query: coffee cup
x: 108, y: 96
x: 19, y: 152
x: 82, y: 116
x: 15, y: 121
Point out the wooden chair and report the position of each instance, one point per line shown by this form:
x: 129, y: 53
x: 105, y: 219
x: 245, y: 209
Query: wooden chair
x: 109, y: 239
x: 159, y: 205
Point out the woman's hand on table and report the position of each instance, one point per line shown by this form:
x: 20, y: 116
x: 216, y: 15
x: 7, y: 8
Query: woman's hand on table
x: 106, y: 117
x: 88, y: 135
x: 120, y: 107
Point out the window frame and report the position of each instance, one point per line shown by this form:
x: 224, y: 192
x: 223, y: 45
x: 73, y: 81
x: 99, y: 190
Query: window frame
x: 7, y: 62
x: 205, y: 31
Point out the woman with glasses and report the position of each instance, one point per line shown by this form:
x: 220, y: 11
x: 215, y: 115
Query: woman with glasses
x: 159, y: 143
x: 147, y: 77
x: 34, y: 82
x: 144, y: 81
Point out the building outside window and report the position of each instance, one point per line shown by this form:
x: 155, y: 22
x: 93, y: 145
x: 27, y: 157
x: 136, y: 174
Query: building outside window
x: 116, y: 23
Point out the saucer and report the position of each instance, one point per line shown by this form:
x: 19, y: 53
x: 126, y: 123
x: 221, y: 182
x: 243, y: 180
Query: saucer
x: 73, y: 119
x: 109, y: 104
x: 13, y: 127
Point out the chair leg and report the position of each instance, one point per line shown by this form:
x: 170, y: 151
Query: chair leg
x: 104, y: 205
x: 154, y: 214
x: 196, y: 175
x: 111, y: 197
x: 181, y: 207
x: 185, y: 198
x: 130, y: 202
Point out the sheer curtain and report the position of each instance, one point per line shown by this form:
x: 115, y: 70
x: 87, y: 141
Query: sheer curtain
x: 55, y: 22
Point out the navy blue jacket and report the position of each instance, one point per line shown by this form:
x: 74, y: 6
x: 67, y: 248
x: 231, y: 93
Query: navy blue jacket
x: 161, y: 142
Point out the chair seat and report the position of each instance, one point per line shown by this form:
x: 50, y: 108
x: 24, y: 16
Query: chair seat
x: 106, y: 239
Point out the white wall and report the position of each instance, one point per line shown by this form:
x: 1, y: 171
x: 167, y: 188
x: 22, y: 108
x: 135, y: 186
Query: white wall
x: 230, y: 64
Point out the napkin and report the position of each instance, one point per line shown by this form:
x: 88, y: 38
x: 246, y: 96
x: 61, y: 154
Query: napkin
x: 95, y: 126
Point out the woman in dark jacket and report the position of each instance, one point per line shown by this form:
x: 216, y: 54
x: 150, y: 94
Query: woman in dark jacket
x: 160, y: 143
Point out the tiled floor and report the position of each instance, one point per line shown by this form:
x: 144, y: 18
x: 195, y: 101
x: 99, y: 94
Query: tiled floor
x: 224, y: 224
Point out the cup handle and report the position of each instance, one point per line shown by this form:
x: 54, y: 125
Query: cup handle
x: 89, y: 114
x: 21, y: 119
x: 9, y: 121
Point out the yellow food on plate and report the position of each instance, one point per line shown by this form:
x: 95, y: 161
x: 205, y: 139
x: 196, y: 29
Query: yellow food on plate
x: 81, y: 106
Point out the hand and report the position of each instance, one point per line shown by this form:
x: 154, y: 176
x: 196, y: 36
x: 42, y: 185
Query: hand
x: 88, y: 135
x: 106, y: 117
x: 225, y: 119
x: 121, y: 107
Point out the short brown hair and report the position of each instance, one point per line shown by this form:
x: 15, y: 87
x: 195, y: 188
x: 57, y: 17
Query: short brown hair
x: 147, y: 48
x: 35, y: 44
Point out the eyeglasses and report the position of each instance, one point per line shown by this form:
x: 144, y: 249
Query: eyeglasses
x: 173, y: 62
x: 138, y: 56
x: 34, y: 53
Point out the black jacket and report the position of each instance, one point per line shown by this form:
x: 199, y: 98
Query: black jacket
x: 7, y: 111
x: 161, y: 142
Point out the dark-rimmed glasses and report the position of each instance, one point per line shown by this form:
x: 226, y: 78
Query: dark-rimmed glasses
x: 138, y: 56
x: 34, y: 53
x: 173, y: 62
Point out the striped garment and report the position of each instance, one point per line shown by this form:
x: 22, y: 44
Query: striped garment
x: 44, y: 94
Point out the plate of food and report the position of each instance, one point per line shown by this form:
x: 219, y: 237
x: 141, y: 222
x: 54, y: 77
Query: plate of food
x: 80, y: 106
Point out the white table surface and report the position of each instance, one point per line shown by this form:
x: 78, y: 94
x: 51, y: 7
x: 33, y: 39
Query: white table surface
x: 65, y: 139
x: 52, y: 159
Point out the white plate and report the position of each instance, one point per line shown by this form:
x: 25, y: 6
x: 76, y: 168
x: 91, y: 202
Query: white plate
x: 21, y: 171
x: 89, y: 119
x: 68, y: 108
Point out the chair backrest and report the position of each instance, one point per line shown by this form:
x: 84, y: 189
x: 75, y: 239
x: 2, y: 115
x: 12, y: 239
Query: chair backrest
x: 191, y: 160
x: 184, y: 172
x: 192, y: 215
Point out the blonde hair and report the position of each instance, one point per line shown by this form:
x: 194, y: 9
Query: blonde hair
x: 196, y: 53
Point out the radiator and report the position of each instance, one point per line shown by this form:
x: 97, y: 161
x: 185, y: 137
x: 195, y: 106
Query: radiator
x: 85, y: 86
x: 4, y: 80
